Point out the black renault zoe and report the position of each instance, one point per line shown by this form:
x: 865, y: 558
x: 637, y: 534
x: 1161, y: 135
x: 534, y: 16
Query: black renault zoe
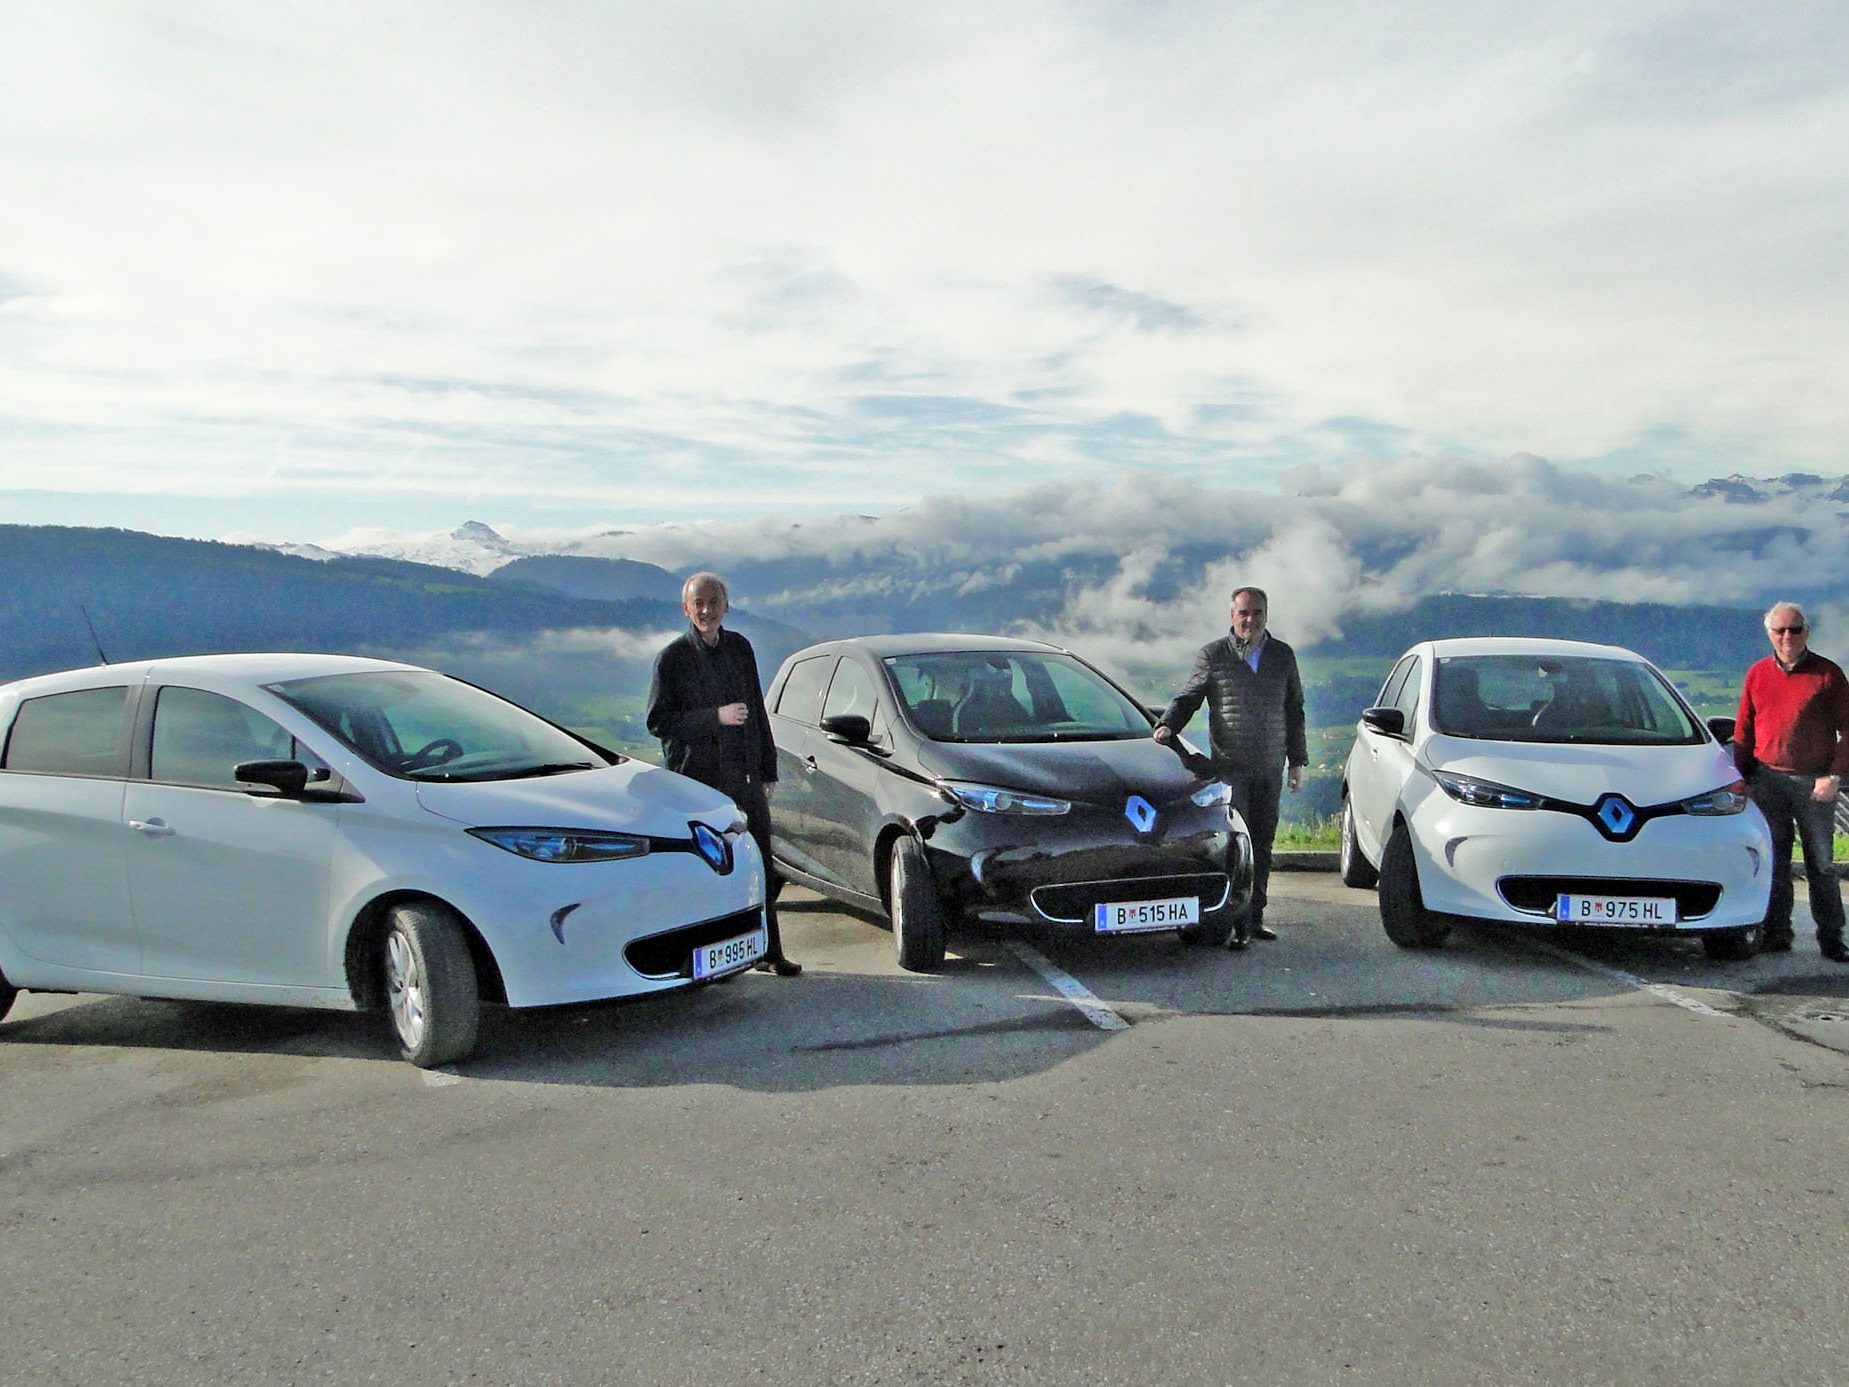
x: 927, y: 776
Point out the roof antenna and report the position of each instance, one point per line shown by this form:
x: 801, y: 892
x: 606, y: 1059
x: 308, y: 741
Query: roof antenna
x: 101, y: 658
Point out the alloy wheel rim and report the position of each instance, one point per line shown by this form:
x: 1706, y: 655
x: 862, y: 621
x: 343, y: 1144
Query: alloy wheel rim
x: 405, y: 986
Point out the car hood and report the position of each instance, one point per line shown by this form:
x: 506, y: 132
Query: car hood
x: 1580, y: 774
x: 631, y: 795
x: 1098, y: 772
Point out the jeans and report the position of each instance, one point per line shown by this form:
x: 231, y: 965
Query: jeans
x: 1784, y: 797
x: 1256, y: 795
x: 749, y: 796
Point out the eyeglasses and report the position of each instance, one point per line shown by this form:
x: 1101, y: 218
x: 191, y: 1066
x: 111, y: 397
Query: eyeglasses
x: 1786, y: 630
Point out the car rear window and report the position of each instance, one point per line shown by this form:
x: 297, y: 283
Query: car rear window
x: 83, y: 732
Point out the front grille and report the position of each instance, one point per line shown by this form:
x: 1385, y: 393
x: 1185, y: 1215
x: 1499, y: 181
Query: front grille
x: 1694, y: 899
x: 670, y: 954
x: 1071, y: 902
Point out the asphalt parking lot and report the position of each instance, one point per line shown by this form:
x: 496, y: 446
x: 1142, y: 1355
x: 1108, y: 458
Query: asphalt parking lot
x: 1060, y: 1160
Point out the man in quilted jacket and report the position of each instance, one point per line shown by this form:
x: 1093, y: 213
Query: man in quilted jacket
x: 1254, y: 698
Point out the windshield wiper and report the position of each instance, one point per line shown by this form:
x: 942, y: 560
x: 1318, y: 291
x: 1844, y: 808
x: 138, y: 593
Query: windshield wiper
x: 547, y: 768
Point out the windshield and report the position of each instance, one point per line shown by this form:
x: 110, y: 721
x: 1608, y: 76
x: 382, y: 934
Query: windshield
x: 1528, y: 698
x: 1012, y: 696
x: 425, y: 726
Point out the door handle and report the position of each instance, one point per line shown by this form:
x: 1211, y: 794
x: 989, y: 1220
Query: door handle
x: 809, y: 766
x: 153, y: 828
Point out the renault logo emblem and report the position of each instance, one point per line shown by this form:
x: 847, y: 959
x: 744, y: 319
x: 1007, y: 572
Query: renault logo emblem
x: 1615, y: 815
x: 1141, y: 813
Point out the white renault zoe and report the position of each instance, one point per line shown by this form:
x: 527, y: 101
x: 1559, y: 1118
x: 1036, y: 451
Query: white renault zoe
x: 1549, y: 782
x: 327, y: 831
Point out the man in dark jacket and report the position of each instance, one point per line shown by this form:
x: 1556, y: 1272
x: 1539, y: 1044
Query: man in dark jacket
x: 1255, y: 719
x: 707, y: 707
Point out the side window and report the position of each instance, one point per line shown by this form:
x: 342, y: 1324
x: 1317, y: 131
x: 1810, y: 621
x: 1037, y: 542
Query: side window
x: 200, y: 738
x: 801, y: 698
x: 78, y: 733
x: 1406, y: 699
x: 1390, y: 691
x: 852, y: 691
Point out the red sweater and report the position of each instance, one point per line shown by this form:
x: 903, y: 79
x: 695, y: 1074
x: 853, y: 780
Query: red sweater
x: 1797, y: 720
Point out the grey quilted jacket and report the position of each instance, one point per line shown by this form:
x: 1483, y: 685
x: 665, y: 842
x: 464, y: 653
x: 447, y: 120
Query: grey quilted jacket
x: 1254, y: 718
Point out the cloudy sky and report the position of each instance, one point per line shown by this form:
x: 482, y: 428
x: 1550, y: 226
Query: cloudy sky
x: 286, y: 270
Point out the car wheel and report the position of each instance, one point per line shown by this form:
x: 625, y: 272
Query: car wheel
x: 7, y: 993
x: 917, y: 912
x: 1215, y: 928
x: 1402, y: 909
x: 1357, y: 871
x: 430, y: 985
x: 1731, y: 945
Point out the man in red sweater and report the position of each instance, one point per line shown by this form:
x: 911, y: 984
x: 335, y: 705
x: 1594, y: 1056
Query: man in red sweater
x: 1791, y: 740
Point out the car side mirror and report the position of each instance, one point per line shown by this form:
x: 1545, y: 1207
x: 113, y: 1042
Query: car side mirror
x: 1722, y: 728
x: 288, y: 778
x: 851, y: 728
x: 1389, y: 722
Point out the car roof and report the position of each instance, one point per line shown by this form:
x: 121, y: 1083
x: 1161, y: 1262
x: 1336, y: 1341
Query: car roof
x: 1524, y: 645
x: 245, y: 668
x: 925, y: 643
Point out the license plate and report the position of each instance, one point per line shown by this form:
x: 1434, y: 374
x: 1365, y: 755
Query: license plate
x: 1130, y: 917
x: 1644, y: 912
x: 729, y: 955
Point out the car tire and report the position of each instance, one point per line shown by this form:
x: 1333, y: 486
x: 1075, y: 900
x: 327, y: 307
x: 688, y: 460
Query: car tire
x: 1402, y: 909
x: 1731, y: 945
x: 8, y: 994
x: 431, y: 991
x: 917, y: 911
x: 1357, y: 871
x: 1215, y: 928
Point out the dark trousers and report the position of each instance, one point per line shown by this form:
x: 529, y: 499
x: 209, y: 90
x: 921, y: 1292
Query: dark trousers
x: 1784, y: 797
x: 749, y: 796
x: 1255, y: 796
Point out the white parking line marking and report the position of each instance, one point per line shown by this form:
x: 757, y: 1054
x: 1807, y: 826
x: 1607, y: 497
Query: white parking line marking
x: 1659, y: 990
x: 1069, y: 987
x: 440, y: 1078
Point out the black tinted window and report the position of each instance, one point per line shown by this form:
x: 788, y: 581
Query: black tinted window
x: 801, y: 698
x: 78, y: 733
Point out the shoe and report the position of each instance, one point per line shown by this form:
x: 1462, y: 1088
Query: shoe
x: 782, y: 967
x: 1263, y: 932
x: 1836, y: 953
x: 1775, y: 944
x: 1237, y: 942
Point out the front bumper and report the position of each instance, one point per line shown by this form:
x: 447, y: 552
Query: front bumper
x: 1503, y: 864
x: 1054, y: 870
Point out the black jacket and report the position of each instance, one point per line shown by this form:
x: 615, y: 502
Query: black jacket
x: 1254, y: 718
x: 689, y: 686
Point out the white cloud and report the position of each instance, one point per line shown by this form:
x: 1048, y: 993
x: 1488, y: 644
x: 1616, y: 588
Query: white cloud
x: 639, y: 261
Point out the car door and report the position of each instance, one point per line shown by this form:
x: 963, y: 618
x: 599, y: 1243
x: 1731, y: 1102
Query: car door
x: 798, y: 704
x: 842, y: 777
x: 1382, y: 761
x: 227, y: 886
x: 63, y: 849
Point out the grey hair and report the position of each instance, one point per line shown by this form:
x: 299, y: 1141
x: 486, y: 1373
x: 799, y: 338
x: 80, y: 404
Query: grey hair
x: 704, y: 580
x: 1778, y: 607
x: 1259, y: 593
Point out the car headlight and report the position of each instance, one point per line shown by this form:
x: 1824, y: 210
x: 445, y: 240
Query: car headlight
x: 565, y: 844
x: 992, y: 799
x: 1214, y: 794
x: 1729, y: 799
x: 1485, y: 794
